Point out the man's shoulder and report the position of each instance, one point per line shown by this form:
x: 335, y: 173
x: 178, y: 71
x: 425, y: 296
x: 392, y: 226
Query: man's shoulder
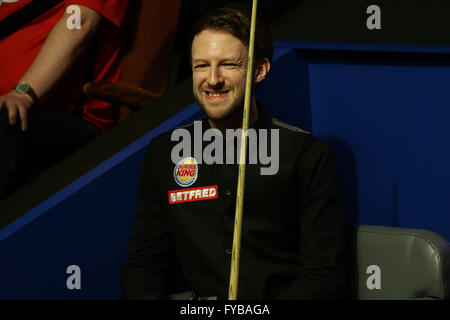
x: 278, y: 124
x: 305, y: 139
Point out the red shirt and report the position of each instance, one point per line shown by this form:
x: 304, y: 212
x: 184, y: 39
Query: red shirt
x: 101, y: 62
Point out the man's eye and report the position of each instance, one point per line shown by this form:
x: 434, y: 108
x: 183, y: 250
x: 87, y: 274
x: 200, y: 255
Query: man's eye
x: 199, y: 66
x: 232, y: 65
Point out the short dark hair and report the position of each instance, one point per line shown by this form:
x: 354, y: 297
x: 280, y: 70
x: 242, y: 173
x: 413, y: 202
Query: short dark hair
x: 235, y: 19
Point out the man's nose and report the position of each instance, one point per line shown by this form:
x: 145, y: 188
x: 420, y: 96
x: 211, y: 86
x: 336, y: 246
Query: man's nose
x: 214, y: 77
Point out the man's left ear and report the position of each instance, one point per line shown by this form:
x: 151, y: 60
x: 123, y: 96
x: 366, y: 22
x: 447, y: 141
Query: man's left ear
x: 262, y: 69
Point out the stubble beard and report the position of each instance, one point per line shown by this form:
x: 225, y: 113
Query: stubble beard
x: 235, y: 107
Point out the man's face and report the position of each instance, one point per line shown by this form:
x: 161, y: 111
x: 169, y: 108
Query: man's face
x: 219, y: 63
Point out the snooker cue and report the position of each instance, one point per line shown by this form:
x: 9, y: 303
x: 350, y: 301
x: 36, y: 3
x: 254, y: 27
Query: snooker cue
x: 234, y: 273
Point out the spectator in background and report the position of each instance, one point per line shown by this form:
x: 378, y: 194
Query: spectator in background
x: 44, y: 116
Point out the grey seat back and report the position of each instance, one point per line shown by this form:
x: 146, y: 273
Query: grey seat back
x: 399, y: 263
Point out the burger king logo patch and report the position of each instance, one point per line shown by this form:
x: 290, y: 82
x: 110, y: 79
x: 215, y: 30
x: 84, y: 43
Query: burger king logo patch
x: 186, y: 172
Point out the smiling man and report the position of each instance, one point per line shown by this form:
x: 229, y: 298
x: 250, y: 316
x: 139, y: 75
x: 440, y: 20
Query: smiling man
x: 293, y: 222
x: 219, y: 80
x: 219, y: 63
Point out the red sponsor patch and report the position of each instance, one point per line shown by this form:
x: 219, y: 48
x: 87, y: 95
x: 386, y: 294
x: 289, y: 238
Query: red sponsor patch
x: 193, y: 194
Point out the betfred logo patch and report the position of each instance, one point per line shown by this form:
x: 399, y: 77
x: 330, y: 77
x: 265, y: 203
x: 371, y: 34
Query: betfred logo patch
x: 186, y: 172
x: 193, y: 194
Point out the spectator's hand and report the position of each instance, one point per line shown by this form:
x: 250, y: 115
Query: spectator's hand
x: 17, y: 104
